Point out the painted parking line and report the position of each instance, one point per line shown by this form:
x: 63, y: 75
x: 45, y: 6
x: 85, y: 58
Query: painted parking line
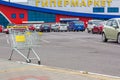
x: 46, y: 41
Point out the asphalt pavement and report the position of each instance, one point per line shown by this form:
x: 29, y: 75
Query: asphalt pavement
x: 73, y: 50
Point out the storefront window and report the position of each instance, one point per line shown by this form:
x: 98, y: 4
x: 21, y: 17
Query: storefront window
x: 21, y: 16
x: 13, y: 16
x: 98, y: 10
x: 113, y: 10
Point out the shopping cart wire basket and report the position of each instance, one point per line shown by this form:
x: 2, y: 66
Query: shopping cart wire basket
x: 23, y: 39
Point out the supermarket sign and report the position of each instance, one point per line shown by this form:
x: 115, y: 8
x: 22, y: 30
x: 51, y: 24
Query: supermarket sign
x: 73, y: 3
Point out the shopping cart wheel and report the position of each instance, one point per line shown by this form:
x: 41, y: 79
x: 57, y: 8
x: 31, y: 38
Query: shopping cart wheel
x: 9, y: 59
x: 39, y: 62
x: 28, y: 61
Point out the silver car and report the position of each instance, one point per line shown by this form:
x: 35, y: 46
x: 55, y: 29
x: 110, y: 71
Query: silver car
x: 63, y: 27
x: 55, y: 27
x: 111, y: 30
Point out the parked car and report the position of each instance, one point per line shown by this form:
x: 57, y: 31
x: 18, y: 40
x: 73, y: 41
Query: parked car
x: 6, y: 30
x: 98, y: 28
x: 76, y: 26
x: 1, y: 28
x: 45, y: 28
x: 31, y: 27
x: 62, y: 27
x: 37, y: 26
x: 55, y: 27
x: 111, y: 30
x: 18, y: 26
x: 91, y: 24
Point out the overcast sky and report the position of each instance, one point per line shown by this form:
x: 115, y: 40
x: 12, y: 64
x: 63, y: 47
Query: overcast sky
x: 17, y: 0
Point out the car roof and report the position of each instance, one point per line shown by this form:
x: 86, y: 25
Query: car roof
x: 95, y: 20
x: 114, y: 18
x: 77, y: 21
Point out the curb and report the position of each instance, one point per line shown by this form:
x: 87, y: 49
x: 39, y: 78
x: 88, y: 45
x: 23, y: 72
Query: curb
x: 74, y: 72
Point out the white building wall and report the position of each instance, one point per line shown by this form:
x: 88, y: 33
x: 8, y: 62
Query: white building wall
x: 115, y: 3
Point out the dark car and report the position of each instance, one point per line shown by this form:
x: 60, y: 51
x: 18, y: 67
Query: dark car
x: 45, y: 28
x: 76, y: 26
x: 70, y: 26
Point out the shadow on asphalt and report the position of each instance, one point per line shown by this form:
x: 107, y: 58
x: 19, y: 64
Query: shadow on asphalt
x: 112, y: 42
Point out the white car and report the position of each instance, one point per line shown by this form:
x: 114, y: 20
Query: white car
x: 37, y: 26
x: 91, y: 24
x: 63, y: 27
x: 55, y: 27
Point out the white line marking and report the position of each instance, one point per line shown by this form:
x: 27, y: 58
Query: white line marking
x: 104, y: 75
x: 109, y: 76
x: 28, y: 63
x: 45, y: 41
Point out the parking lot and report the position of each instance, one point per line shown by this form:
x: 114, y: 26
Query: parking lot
x: 73, y: 50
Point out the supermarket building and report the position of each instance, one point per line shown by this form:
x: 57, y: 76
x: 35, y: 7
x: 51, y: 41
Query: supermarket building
x: 56, y: 10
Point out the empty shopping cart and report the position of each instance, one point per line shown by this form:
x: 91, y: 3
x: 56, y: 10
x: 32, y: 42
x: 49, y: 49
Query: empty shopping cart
x: 22, y: 39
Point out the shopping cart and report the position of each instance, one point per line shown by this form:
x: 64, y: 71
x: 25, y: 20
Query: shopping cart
x: 23, y: 39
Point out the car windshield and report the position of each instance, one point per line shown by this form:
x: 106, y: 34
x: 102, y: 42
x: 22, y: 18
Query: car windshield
x: 46, y: 25
x: 56, y: 25
x: 119, y: 21
x: 53, y: 25
x: 37, y: 25
x: 97, y: 22
x: 78, y: 22
x: 63, y: 24
x: 100, y: 23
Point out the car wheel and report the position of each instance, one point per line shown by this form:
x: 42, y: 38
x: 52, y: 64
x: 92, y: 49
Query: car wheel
x: 93, y: 31
x: 118, y: 38
x: 7, y: 32
x: 104, y: 39
x: 28, y: 61
x: 88, y: 30
x: 100, y: 32
x: 39, y: 62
